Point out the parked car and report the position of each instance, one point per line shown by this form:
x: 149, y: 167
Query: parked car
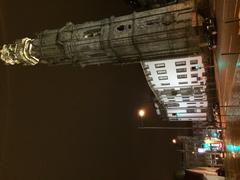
x: 210, y: 30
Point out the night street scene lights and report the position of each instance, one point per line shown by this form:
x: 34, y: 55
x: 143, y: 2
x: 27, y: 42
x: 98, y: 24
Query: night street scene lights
x: 174, y: 141
x: 141, y: 114
x: 168, y: 43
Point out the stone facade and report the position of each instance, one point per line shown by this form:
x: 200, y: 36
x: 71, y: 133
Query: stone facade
x: 154, y: 34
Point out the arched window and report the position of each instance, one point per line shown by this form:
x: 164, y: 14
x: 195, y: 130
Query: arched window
x: 92, y: 33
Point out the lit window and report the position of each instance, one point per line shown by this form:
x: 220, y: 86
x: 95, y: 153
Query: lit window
x: 194, y: 68
x: 181, y: 70
x: 162, y: 72
x: 182, y: 76
x: 162, y: 77
x: 180, y: 63
x: 160, y: 65
x: 195, y: 61
x: 92, y: 33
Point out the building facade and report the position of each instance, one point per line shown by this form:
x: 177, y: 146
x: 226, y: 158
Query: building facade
x: 149, y: 37
x: 180, y: 85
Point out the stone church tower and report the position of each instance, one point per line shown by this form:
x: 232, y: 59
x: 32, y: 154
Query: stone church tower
x: 172, y: 31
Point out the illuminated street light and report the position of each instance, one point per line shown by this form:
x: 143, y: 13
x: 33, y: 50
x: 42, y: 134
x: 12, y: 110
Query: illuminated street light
x: 141, y: 113
x: 174, y: 141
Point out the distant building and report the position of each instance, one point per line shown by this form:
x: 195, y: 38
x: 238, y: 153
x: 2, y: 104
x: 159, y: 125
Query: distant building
x: 180, y: 85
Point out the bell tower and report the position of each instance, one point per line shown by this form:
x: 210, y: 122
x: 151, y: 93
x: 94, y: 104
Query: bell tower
x: 171, y: 31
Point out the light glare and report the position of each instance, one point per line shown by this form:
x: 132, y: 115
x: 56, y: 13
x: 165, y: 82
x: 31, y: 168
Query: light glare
x: 141, y: 113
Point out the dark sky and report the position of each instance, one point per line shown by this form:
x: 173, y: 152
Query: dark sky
x: 71, y: 123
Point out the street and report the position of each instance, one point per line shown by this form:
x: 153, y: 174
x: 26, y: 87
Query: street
x: 227, y: 74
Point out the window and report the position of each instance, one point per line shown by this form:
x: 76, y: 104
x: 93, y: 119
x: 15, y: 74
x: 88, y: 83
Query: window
x: 195, y: 61
x: 180, y: 63
x: 191, y: 103
x: 162, y: 77
x: 92, y: 33
x: 160, y: 65
x: 145, y: 67
x: 194, y: 68
x: 203, y: 110
x: 186, y: 91
x: 153, y: 22
x: 173, y: 105
x: 162, y: 72
x: 181, y: 70
x: 191, y: 106
x: 194, y: 82
x: 183, y: 82
x: 165, y: 84
x: 194, y: 75
x: 204, y: 74
x: 122, y: 28
x: 198, y: 90
x: 182, y: 76
x: 191, y: 110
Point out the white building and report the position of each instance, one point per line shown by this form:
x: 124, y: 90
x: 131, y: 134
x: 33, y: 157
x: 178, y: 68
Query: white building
x: 180, y: 85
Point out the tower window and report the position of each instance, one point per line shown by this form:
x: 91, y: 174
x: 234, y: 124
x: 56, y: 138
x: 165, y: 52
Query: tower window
x: 121, y: 28
x: 91, y: 33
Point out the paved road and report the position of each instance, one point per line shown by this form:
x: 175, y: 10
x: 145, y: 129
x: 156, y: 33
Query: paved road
x: 227, y: 68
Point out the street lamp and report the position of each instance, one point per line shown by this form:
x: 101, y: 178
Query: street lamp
x: 174, y: 141
x: 141, y: 114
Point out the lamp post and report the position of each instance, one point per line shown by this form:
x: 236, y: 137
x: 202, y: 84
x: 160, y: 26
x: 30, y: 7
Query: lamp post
x: 141, y: 114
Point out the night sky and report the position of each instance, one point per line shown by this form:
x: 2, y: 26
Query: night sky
x: 69, y: 122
